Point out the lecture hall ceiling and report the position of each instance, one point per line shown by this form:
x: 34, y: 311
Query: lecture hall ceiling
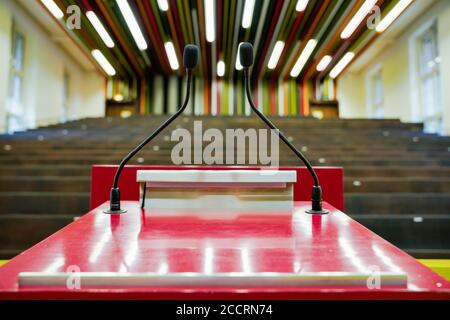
x: 267, y: 24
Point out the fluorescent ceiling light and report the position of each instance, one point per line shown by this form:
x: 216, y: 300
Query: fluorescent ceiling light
x: 336, y: 71
x: 103, y: 62
x: 210, y: 21
x: 118, y: 97
x: 238, y: 64
x: 324, y: 62
x: 238, y: 59
x: 248, y: 13
x: 276, y: 53
x: 220, y: 68
x: 358, y: 18
x: 98, y: 26
x: 163, y: 5
x: 132, y: 23
x: 53, y: 8
x: 392, y: 15
x: 303, y: 58
x: 301, y: 5
x: 170, y: 51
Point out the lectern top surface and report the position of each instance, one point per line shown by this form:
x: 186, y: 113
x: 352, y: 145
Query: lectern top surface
x: 291, y: 241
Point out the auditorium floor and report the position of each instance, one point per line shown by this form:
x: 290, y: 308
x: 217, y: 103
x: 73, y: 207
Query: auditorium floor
x: 440, y: 266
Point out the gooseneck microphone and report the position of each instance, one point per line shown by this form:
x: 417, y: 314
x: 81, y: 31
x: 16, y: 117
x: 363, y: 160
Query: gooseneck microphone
x: 190, y: 61
x: 246, y: 57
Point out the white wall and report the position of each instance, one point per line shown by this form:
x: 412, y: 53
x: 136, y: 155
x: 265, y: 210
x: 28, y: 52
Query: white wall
x: 5, y: 53
x: 45, y: 64
x: 398, y: 85
x: 351, y: 96
x: 444, y: 46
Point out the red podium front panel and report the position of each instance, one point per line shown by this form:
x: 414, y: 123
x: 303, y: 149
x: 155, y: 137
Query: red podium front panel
x: 293, y: 241
x: 331, y: 180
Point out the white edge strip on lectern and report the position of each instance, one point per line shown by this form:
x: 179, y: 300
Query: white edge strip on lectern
x: 192, y: 280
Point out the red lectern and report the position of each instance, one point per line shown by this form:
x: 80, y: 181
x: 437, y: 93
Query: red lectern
x: 152, y: 254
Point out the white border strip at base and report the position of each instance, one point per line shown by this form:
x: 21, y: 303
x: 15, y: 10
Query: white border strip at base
x: 197, y: 280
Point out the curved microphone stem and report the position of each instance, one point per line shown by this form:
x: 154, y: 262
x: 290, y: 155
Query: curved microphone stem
x: 115, y: 194
x: 317, y: 190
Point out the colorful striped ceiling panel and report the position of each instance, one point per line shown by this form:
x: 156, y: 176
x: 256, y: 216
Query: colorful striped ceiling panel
x: 290, y: 38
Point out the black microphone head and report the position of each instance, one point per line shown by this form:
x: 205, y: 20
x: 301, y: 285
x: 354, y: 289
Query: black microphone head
x: 246, y: 54
x: 190, y: 56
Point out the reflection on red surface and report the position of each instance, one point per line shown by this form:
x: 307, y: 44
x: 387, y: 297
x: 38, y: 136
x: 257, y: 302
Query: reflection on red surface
x: 211, y: 242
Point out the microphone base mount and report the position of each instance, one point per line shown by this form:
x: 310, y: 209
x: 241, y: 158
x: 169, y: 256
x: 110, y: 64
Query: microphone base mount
x: 316, y: 201
x: 114, y: 204
x: 109, y: 211
x: 323, y: 211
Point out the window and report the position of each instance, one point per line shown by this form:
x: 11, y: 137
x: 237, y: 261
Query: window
x: 15, y: 113
x: 374, y: 85
x: 66, y: 97
x: 429, y: 81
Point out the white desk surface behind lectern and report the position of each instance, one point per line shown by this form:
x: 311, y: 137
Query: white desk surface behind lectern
x: 252, y: 190
x: 217, y: 176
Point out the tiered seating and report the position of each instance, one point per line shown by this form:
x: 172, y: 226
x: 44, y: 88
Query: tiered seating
x: 397, y: 179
